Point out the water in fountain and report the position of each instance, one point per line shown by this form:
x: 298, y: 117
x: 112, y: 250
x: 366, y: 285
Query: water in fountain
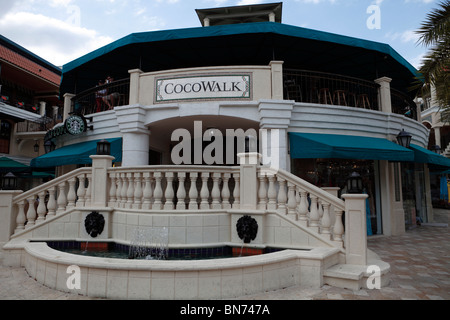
x: 149, y: 243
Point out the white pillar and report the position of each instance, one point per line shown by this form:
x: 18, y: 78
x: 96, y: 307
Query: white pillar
x: 135, y: 150
x: 384, y: 94
x: 249, y: 180
x: 277, y: 80
x: 42, y: 106
x: 67, y: 105
x: 134, y: 85
x: 100, y: 187
x: 355, y: 229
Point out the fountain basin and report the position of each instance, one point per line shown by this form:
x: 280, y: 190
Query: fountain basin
x: 195, y: 279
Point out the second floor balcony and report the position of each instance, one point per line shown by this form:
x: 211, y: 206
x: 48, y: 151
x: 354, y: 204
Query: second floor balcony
x: 301, y: 86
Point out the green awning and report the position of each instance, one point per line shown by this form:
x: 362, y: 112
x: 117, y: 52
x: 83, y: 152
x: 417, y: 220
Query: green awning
x: 330, y: 146
x: 10, y: 165
x: 76, y: 154
x: 422, y: 155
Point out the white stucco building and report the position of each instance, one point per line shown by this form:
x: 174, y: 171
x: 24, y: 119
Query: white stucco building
x: 322, y: 105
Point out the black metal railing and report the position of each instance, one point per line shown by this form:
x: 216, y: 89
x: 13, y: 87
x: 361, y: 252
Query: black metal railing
x: 331, y: 89
x: 102, y: 98
x: 403, y: 104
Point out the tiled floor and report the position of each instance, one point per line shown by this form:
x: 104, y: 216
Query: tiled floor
x: 420, y: 270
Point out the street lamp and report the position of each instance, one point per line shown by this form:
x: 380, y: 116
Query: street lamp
x: 250, y: 144
x: 36, y: 147
x: 404, y: 139
x: 49, y: 146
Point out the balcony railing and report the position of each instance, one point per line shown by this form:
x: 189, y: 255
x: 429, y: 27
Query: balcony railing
x: 403, y: 104
x: 102, y: 98
x: 331, y: 89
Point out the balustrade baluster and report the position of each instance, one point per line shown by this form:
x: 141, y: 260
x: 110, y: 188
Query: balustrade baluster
x: 262, y: 192
x: 237, y: 191
x: 148, y: 192
x: 215, y: 192
x: 51, y: 205
x: 193, y: 192
x: 158, y: 192
x: 181, y: 192
x: 314, y: 214
x: 303, y: 207
x: 272, y: 194
x: 130, y: 191
x: 119, y: 190
x: 169, y: 194
x: 204, y: 192
x: 21, y: 217
x: 326, y: 221
x: 282, y: 197
x: 137, y: 191
x: 123, y: 192
x: 81, y: 192
x: 71, y: 195
x: 87, y: 198
x: 41, y: 209
x: 31, y: 213
x: 338, y: 229
x: 112, y: 190
x: 320, y: 209
x: 292, y: 201
x: 226, y: 191
x: 62, y: 198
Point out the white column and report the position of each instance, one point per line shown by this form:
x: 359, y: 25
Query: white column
x: 42, y: 106
x: 134, y: 85
x: 277, y: 80
x: 67, y: 105
x: 385, y: 94
x: 135, y: 149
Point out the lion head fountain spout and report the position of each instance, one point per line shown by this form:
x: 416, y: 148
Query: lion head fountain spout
x: 247, y: 229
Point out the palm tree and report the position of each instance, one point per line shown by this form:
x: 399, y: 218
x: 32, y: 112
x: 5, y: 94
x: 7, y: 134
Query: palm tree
x: 435, y: 69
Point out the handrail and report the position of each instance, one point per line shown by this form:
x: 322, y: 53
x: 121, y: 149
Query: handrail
x: 310, y: 188
x: 53, y: 183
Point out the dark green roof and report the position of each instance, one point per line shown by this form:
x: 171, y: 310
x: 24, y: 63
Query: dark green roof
x: 239, y: 44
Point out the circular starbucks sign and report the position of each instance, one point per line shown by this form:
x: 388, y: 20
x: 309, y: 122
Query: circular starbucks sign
x: 75, y: 125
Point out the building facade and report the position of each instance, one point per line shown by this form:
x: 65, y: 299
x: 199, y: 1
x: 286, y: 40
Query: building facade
x: 319, y: 105
x: 29, y: 107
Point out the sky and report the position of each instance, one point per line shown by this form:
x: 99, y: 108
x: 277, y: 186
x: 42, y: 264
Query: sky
x: 61, y: 31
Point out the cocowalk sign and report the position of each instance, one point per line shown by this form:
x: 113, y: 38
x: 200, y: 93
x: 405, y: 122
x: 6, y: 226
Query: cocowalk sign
x: 207, y: 87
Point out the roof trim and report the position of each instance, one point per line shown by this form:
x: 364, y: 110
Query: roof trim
x: 236, y: 29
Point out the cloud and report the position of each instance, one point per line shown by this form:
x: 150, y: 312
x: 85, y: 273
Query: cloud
x: 405, y: 36
x: 54, y: 40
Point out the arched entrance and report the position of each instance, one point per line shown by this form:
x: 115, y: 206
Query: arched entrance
x: 200, y: 140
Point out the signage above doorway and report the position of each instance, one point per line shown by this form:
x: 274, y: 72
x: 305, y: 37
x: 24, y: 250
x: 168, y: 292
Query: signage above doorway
x: 204, y: 87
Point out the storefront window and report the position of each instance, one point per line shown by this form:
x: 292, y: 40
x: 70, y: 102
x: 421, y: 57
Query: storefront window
x: 413, y: 187
x: 334, y: 173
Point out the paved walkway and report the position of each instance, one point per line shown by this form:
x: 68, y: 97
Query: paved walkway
x: 420, y: 270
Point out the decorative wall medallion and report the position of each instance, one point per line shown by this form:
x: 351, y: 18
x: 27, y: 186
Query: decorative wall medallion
x: 94, y: 224
x: 247, y: 229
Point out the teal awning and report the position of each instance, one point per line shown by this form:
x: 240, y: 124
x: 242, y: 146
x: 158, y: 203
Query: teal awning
x: 422, y: 155
x: 330, y: 146
x: 76, y: 154
x: 10, y: 165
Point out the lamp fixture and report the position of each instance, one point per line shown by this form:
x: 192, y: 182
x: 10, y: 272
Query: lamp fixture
x: 404, y: 139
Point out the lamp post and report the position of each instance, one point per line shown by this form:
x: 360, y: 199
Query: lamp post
x: 103, y: 148
x: 9, y: 182
x: 404, y: 139
x: 354, y: 183
x: 250, y: 144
